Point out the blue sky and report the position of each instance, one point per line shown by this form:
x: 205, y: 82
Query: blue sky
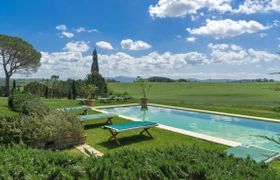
x: 172, y: 38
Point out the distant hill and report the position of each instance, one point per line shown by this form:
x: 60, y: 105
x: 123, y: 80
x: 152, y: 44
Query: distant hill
x: 122, y: 78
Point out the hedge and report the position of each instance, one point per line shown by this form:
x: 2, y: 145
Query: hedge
x: 179, y: 162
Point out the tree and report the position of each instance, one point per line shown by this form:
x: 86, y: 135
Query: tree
x: 94, y: 66
x: 97, y: 80
x: 14, y: 87
x: 74, y: 90
x: 17, y: 55
x: 35, y: 88
x: 46, y: 93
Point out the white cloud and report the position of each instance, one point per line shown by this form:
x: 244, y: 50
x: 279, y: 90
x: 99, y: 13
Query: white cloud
x: 67, y: 34
x: 180, y: 8
x: 74, y: 62
x: 134, y: 45
x: 258, y: 6
x: 78, y: 46
x: 227, y: 28
x: 61, y: 27
x: 236, y: 55
x: 191, y: 39
x: 92, y: 30
x: 104, y: 45
x: 80, y: 29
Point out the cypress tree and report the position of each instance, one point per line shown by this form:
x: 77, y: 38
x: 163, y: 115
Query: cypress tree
x: 14, y: 87
x: 74, y: 90
x: 46, y: 93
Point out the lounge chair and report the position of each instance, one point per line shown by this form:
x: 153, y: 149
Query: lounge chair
x: 109, y: 117
x: 77, y: 108
x: 115, y: 129
x: 104, y: 100
x: 81, y: 100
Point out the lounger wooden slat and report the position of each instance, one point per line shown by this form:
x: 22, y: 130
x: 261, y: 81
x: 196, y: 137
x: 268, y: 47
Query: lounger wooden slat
x: 109, y: 117
x: 117, y: 128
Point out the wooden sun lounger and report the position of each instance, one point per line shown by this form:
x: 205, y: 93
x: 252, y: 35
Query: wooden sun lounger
x: 77, y: 108
x: 109, y: 117
x: 82, y: 100
x: 117, y: 128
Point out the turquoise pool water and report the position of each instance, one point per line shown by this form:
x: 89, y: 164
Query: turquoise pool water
x: 242, y: 130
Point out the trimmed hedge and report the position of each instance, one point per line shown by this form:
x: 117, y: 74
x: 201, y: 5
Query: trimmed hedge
x: 179, y: 162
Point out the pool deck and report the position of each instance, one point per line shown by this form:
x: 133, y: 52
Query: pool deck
x: 177, y: 130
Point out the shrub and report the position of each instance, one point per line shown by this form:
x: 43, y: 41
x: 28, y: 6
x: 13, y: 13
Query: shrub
x: 97, y: 80
x: 10, y: 130
x: 27, y: 104
x: 55, y: 130
x: 179, y: 162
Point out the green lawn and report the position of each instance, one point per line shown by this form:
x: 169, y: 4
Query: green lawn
x: 255, y: 99
x: 4, y: 109
x: 249, y: 99
x: 97, y: 137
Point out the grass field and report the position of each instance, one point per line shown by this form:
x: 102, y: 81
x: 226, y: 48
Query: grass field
x: 255, y: 99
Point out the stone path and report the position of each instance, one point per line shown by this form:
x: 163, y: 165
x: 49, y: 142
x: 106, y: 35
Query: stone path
x: 82, y: 148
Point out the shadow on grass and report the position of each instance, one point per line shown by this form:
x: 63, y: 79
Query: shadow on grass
x: 125, y: 141
x: 94, y: 126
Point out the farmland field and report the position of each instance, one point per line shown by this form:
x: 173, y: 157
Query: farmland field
x: 255, y: 99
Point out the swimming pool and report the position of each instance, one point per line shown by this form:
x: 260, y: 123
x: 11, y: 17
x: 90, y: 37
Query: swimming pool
x: 237, y: 129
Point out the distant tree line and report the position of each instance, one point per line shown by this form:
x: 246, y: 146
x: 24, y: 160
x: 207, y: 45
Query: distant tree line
x: 165, y: 79
x: 57, y: 88
x: 253, y: 80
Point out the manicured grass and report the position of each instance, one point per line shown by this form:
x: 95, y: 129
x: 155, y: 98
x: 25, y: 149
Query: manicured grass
x: 4, y: 109
x: 97, y: 137
x: 255, y: 99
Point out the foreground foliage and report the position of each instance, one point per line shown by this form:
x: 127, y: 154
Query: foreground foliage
x: 179, y: 162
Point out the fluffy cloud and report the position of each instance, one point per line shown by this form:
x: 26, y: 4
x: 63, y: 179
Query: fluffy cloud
x: 61, y: 27
x: 63, y: 31
x: 180, y: 8
x: 191, y: 39
x: 104, y: 45
x: 227, y: 28
x: 82, y: 29
x: 236, y: 55
x: 74, y: 62
x: 78, y: 46
x: 258, y: 6
x: 67, y: 34
x: 134, y: 45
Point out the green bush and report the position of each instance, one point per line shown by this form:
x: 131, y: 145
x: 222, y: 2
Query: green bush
x: 10, y: 130
x: 61, y: 129
x: 179, y: 162
x: 27, y: 104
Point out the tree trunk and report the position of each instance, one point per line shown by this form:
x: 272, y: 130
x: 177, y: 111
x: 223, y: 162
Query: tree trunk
x: 7, y: 86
